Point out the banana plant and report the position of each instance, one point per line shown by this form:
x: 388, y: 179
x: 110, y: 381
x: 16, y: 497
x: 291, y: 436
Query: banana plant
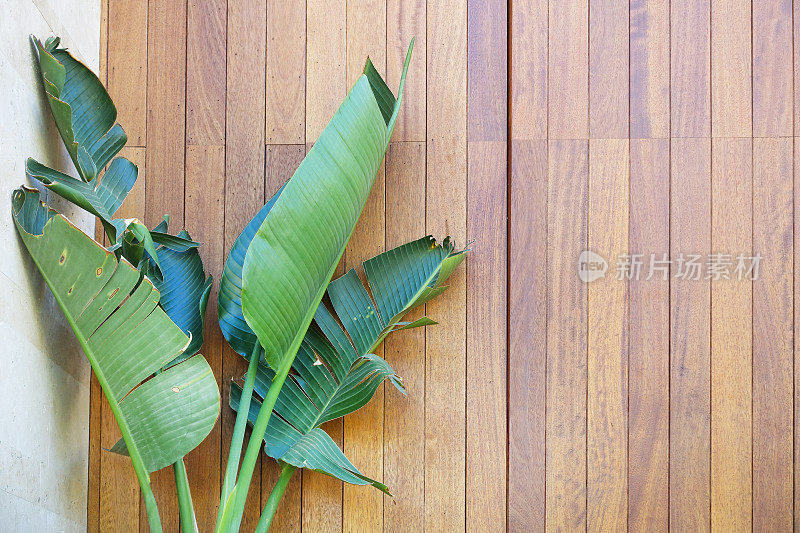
x: 175, y: 280
x: 291, y: 257
x: 335, y: 371
x: 162, y: 411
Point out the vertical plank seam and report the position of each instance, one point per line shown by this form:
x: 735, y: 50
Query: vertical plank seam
x: 509, y: 69
x: 669, y: 270
x: 752, y: 282
x: 711, y: 245
x: 586, y: 247
x: 546, y: 258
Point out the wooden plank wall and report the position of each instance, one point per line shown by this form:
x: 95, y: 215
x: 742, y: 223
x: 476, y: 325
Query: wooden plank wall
x: 535, y: 129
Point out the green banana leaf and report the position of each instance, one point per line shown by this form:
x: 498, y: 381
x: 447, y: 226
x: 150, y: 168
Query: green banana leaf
x: 126, y: 336
x: 83, y: 110
x: 184, y: 288
x: 335, y: 371
x: 294, y: 252
x: 85, y: 117
x: 229, y: 304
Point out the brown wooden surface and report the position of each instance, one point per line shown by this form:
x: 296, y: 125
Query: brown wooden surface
x: 537, y: 129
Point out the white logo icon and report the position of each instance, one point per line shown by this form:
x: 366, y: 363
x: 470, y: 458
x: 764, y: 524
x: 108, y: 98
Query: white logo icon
x: 591, y: 266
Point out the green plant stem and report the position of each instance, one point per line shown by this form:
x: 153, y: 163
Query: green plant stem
x: 237, y: 440
x: 232, y: 516
x: 274, y: 498
x: 153, y: 518
x: 185, y: 505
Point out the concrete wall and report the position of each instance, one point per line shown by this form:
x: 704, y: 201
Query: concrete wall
x: 44, y: 377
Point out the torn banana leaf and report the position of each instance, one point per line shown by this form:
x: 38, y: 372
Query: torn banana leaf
x: 82, y: 109
x: 127, y: 337
x: 335, y: 371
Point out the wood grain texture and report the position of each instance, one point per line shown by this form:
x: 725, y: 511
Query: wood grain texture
x: 626, y: 407
x: 205, y: 222
x: 244, y: 176
x: 528, y: 69
x: 731, y: 338
x: 772, y: 68
x: 486, y: 388
x: 281, y: 162
x: 406, y: 19
x: 690, y: 235
x: 286, y: 72
x: 731, y: 69
x: 326, y: 62
x: 567, y: 237
x: 206, y: 34
x: 487, y: 356
x: 607, y: 365
x: 119, y: 488
x: 690, y: 68
x: 445, y: 214
x: 608, y: 69
x: 527, y: 242
x: 362, y: 507
x: 404, y: 416
x: 127, y: 66
x: 567, y: 68
x: 772, y: 335
x: 649, y: 356
x: 166, y: 122
x: 649, y: 77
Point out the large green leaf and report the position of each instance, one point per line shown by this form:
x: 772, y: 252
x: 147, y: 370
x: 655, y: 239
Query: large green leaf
x: 292, y: 256
x: 83, y: 110
x: 335, y: 371
x: 102, y: 197
x: 126, y: 336
x: 184, y: 288
x: 229, y: 305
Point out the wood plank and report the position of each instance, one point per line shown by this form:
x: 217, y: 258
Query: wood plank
x: 527, y: 327
x: 649, y: 77
x: 405, y: 19
x: 244, y: 175
x: 362, y: 507
x: 773, y: 80
x: 529, y: 70
x: 127, y: 67
x: 119, y: 489
x: 772, y: 335
x: 568, y: 70
x: 404, y: 425
x: 205, y: 73
x: 690, y: 234
x: 487, y: 305
x: 487, y: 359
x: 527, y: 282
x: 607, y: 366
x: 95, y: 391
x: 281, y: 162
x: 648, y: 357
x: 205, y: 221
x: 326, y: 49
x: 445, y: 214
x: 286, y: 72
x: 166, y: 102
x: 326, y: 52
x: 690, y: 69
x: 731, y: 338
x: 567, y: 191
x: 731, y: 69
x: 796, y: 331
x: 608, y: 69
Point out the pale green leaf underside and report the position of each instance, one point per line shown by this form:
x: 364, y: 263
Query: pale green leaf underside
x: 126, y: 335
